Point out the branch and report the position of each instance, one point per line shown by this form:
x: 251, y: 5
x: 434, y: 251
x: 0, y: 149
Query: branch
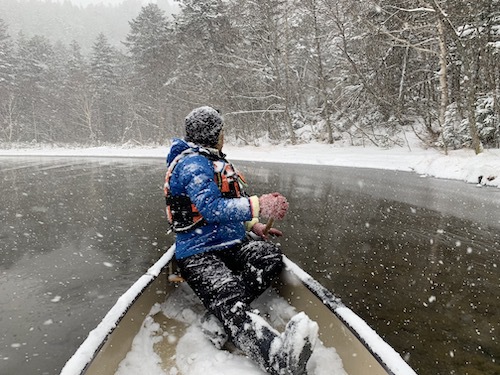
x: 414, y: 10
x: 255, y: 111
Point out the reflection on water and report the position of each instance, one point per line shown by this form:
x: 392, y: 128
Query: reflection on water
x: 417, y: 258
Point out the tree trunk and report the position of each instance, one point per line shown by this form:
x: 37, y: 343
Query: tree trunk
x: 471, y: 115
x: 288, y: 118
x: 443, y: 73
x: 321, y: 75
x: 443, y: 80
x: 467, y: 58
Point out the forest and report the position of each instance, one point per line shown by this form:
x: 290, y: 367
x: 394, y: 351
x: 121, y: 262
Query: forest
x: 283, y: 71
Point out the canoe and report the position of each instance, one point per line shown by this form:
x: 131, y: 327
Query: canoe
x: 360, y: 349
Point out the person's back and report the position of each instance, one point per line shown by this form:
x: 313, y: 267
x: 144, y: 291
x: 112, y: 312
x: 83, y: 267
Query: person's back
x: 220, y: 223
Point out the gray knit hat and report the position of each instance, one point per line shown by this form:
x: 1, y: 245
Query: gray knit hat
x: 203, y: 126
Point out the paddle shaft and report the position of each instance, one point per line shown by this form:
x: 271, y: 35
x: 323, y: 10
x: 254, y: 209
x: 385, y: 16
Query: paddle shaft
x: 269, y: 225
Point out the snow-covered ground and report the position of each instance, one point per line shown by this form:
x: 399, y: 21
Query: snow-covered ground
x: 458, y: 165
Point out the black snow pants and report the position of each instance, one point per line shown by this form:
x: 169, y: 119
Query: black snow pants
x: 227, y: 282
x: 223, y: 278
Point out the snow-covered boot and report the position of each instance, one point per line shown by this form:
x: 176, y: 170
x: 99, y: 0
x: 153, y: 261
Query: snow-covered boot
x: 299, y: 339
x: 277, y: 354
x: 258, y: 340
x: 213, y: 330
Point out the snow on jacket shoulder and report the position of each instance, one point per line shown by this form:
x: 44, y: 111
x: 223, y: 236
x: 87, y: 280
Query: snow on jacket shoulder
x: 193, y: 176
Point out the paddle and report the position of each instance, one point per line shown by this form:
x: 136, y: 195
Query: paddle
x: 269, y: 225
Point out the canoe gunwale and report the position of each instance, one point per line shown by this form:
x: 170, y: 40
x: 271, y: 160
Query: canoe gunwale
x: 82, y: 359
x: 336, y: 306
x: 110, y: 332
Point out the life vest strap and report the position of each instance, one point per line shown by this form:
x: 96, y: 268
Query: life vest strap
x: 181, y: 212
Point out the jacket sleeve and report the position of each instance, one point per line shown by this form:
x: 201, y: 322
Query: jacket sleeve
x: 197, y: 175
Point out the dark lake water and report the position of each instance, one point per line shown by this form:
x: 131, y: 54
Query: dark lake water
x: 416, y: 257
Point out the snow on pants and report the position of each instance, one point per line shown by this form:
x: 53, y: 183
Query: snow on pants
x: 223, y: 278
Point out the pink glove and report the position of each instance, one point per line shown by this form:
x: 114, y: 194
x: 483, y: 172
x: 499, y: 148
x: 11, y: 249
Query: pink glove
x: 273, y: 206
x: 258, y: 229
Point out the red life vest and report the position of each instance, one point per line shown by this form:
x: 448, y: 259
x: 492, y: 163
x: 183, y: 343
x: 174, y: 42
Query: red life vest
x: 182, y: 214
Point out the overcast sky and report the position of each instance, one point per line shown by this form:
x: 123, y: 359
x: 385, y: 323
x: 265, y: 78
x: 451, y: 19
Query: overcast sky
x: 87, y: 2
x: 110, y: 2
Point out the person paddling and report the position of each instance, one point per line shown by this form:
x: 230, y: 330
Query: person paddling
x: 212, y: 216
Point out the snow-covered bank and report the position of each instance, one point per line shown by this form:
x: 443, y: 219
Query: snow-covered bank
x: 458, y: 165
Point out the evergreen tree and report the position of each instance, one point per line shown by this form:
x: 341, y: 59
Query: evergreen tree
x: 76, y: 60
x: 36, y: 71
x: 104, y: 85
x: 147, y: 43
x: 6, y: 56
x: 150, y: 50
x: 79, y: 97
x: 103, y: 65
x: 7, y: 80
x: 206, y: 39
x: 7, y: 100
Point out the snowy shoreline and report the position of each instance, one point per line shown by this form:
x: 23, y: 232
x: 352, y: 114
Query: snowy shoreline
x: 464, y: 165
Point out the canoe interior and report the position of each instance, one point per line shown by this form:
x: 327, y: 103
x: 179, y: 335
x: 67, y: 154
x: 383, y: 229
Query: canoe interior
x: 357, y: 359
x: 119, y: 342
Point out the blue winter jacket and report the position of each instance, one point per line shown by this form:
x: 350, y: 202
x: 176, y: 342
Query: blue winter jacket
x: 193, y: 175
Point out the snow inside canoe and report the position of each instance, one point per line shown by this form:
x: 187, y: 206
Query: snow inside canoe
x: 154, y: 329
